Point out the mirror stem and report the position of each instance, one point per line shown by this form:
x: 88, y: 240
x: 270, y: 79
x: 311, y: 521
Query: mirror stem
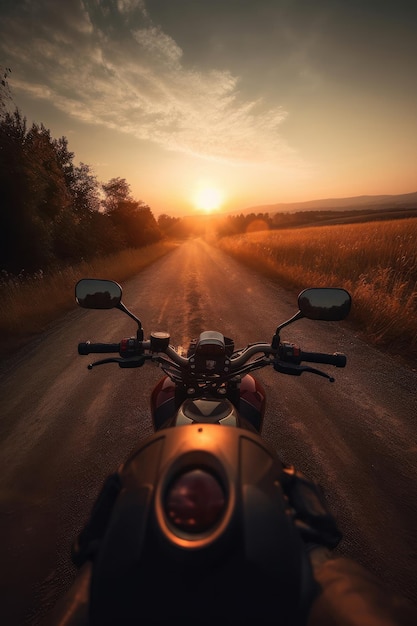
x: 122, y: 307
x: 294, y: 318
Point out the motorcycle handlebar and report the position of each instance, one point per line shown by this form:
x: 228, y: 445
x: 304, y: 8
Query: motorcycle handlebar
x: 287, y: 352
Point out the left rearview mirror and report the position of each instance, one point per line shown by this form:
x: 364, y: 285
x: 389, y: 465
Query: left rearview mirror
x: 96, y: 293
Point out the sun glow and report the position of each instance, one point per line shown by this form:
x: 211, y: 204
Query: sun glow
x: 208, y: 199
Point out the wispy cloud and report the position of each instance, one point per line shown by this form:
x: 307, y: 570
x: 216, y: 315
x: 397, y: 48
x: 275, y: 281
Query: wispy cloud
x: 104, y: 62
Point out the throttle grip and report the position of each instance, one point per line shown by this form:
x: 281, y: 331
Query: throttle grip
x: 337, y: 359
x: 99, y: 348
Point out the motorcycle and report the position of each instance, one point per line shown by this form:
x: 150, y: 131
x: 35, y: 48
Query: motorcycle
x: 204, y: 523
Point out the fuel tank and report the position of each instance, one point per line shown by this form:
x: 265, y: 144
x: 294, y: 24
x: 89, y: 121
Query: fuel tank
x: 170, y: 409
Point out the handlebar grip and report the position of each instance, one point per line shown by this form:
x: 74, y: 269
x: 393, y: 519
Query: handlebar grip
x: 337, y: 359
x: 87, y: 347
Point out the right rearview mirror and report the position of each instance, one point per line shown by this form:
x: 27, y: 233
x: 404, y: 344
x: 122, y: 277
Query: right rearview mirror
x: 324, y: 303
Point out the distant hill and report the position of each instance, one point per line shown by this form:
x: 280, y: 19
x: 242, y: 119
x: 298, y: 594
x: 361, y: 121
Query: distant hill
x: 401, y: 201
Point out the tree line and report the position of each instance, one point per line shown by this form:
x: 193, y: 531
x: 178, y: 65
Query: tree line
x: 55, y: 212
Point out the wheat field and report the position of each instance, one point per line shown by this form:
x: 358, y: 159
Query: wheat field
x: 375, y: 261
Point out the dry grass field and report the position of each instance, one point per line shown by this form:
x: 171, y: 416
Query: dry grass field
x: 375, y: 261
x: 28, y: 304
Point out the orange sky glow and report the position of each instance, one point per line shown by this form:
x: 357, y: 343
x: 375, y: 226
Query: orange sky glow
x: 220, y: 106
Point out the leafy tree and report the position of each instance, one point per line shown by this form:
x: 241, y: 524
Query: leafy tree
x: 169, y: 226
x: 46, y: 178
x: 34, y: 195
x: 85, y: 190
x: 5, y: 94
x: 102, y: 236
x: 117, y: 190
x: 132, y: 219
x: 75, y: 235
x: 135, y: 223
x: 20, y: 231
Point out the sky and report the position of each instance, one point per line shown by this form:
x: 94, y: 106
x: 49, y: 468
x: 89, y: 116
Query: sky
x: 221, y: 105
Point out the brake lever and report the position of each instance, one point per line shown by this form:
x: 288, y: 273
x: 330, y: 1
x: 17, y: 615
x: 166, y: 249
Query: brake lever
x: 296, y: 370
x: 134, y: 361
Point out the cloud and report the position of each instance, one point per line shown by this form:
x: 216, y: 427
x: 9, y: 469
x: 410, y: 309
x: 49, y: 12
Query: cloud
x: 104, y: 62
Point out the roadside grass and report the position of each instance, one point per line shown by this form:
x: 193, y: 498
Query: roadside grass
x: 376, y: 262
x: 29, y: 303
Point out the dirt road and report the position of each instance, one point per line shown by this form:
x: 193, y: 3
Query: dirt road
x: 63, y: 428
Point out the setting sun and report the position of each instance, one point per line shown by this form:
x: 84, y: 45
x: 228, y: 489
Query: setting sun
x: 208, y: 199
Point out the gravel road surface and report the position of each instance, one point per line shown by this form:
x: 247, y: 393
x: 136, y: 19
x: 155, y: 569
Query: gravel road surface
x: 64, y: 428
